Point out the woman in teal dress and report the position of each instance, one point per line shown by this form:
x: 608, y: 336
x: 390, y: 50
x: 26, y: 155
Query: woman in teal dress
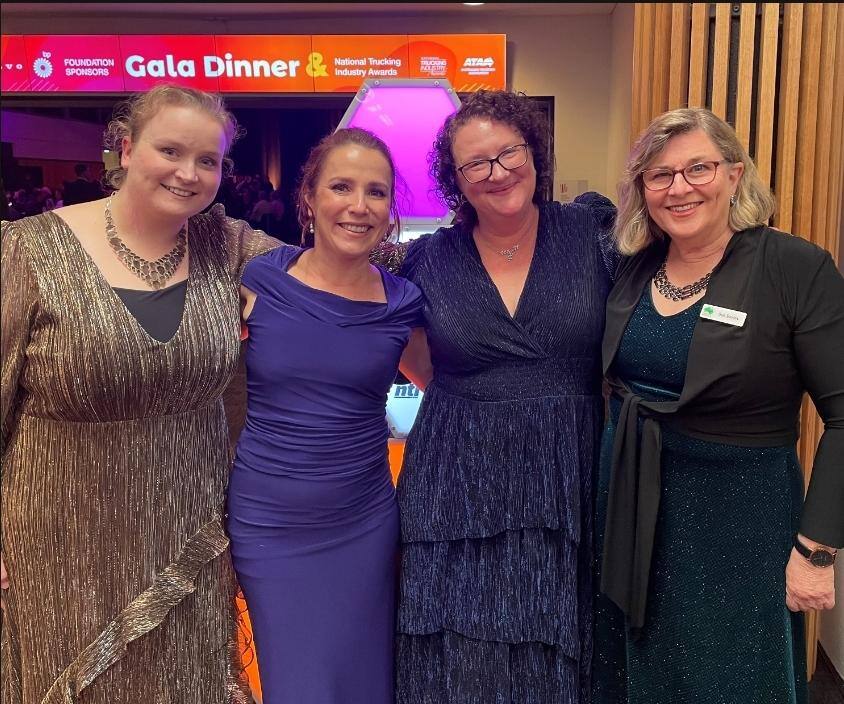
x: 716, y: 327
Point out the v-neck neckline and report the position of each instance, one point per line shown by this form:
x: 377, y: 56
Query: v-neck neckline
x: 112, y: 294
x: 476, y: 255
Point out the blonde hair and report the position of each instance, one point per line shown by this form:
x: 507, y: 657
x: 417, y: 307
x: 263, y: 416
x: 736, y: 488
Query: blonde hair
x: 634, y: 228
x: 131, y: 116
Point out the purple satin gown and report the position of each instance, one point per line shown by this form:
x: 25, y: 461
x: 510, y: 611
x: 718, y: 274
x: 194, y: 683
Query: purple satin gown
x: 311, y: 508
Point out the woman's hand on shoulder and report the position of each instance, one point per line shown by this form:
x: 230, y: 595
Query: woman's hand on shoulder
x: 808, y: 588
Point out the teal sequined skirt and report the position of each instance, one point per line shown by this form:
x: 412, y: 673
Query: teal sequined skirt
x: 717, y: 630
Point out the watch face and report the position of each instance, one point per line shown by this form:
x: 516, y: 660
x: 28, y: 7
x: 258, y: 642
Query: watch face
x: 822, y: 558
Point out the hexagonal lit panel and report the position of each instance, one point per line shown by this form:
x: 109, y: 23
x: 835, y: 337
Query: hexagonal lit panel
x: 407, y: 114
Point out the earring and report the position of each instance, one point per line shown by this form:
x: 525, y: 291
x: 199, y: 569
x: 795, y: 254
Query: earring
x: 311, y: 228
x: 732, y: 200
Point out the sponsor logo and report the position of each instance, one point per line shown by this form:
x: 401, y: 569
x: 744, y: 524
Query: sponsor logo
x: 476, y: 62
x: 433, y: 65
x: 478, y: 65
x: 42, y: 66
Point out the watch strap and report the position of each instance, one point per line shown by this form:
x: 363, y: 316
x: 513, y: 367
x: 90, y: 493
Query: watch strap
x: 808, y: 553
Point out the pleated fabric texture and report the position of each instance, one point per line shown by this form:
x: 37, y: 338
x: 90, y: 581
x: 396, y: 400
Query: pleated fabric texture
x: 497, y: 484
x: 115, y: 462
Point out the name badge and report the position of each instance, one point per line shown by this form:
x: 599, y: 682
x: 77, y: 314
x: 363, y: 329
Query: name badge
x: 723, y: 315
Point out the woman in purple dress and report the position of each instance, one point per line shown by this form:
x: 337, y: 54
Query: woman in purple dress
x: 312, y: 509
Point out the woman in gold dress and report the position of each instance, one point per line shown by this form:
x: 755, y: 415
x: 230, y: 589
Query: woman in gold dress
x: 120, y: 333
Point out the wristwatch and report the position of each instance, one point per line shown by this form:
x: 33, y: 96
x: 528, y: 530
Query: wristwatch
x: 819, y: 557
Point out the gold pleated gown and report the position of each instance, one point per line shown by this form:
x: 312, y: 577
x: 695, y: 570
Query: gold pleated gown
x: 114, y: 466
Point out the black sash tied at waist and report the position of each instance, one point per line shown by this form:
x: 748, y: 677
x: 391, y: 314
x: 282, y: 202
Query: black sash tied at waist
x: 632, y: 510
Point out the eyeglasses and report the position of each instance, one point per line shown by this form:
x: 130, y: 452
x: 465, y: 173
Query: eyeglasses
x: 696, y: 175
x: 481, y: 169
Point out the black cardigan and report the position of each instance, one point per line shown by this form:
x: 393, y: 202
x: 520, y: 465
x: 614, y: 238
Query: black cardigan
x: 743, y: 386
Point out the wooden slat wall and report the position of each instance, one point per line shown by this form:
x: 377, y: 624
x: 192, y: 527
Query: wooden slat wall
x: 799, y: 89
x: 721, y: 59
x: 792, y: 32
x: 744, y: 83
x: 767, y: 78
x: 681, y: 31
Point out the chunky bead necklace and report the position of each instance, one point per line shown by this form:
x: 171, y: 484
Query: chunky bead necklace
x: 154, y: 273
x: 675, y: 293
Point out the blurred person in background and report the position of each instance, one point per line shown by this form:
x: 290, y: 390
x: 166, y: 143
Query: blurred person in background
x: 81, y: 189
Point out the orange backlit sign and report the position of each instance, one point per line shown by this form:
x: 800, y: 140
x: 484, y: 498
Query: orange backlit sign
x: 470, y: 62
x: 340, y: 63
x: 263, y: 64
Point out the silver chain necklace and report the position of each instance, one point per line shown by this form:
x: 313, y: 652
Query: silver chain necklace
x: 155, y: 273
x: 509, y: 252
x: 678, y: 293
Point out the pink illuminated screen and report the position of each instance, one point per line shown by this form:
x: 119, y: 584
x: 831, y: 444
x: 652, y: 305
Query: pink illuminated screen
x: 407, y: 119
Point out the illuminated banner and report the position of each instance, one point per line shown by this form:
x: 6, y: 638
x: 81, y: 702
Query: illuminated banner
x: 469, y: 61
x: 246, y: 63
x: 153, y: 59
x: 340, y: 64
x: 74, y: 64
x: 263, y: 64
x: 15, y: 72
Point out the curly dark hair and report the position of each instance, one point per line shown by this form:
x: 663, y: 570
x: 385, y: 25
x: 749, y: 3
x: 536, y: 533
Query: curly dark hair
x: 514, y: 109
x: 312, y: 169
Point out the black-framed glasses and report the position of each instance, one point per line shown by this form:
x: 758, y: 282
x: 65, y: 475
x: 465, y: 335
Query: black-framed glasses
x: 481, y: 169
x: 695, y: 174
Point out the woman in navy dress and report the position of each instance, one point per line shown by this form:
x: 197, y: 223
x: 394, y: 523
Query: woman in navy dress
x: 312, y: 510
x: 496, y: 488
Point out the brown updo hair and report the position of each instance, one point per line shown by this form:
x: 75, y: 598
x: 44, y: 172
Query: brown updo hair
x: 516, y: 110
x: 312, y: 169
x: 132, y: 115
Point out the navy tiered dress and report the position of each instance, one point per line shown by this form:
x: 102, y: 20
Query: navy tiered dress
x: 497, y: 486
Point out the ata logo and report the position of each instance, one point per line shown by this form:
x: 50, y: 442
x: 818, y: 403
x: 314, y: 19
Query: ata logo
x: 478, y: 62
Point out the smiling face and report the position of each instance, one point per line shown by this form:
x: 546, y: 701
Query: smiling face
x: 351, y: 200
x: 505, y: 193
x: 174, y: 165
x: 697, y: 214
